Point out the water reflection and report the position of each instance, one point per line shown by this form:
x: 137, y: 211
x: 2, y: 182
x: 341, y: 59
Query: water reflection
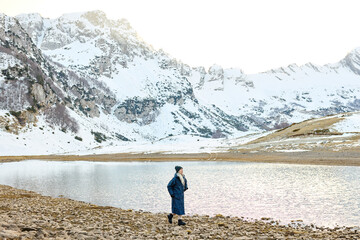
x: 325, y: 195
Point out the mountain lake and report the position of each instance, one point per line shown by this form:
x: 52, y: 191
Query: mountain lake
x: 322, y: 195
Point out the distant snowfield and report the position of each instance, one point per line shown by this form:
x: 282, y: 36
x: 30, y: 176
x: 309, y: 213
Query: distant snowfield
x: 173, y: 145
x: 44, y: 140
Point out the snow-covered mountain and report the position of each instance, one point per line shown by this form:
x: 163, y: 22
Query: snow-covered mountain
x: 95, y: 79
x: 283, y: 96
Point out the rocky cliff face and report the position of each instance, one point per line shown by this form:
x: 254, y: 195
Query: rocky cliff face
x: 28, y: 83
x: 106, y: 79
x: 103, y: 76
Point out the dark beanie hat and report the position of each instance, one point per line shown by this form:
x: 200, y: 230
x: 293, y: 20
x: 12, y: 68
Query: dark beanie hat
x: 177, y: 168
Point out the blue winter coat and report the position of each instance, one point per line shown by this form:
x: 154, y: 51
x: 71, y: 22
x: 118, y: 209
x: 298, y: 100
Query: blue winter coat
x: 176, y: 190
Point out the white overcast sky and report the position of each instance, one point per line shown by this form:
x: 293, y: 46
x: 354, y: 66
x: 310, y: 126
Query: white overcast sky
x: 254, y: 35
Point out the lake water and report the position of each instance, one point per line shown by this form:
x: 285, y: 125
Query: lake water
x: 323, y: 195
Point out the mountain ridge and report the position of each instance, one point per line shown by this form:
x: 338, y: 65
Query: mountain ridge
x: 116, y: 86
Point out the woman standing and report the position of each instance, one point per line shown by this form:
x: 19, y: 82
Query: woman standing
x: 176, y: 187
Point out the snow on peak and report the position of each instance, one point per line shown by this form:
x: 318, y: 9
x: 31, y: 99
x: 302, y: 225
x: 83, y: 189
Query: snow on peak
x: 29, y: 17
x: 72, y: 16
x: 356, y: 51
x: 83, y: 27
x: 96, y: 18
x: 215, y: 68
x: 95, y: 15
x: 352, y: 60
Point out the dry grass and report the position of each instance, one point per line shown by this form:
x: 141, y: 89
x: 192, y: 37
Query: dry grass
x: 307, y: 128
x: 349, y: 158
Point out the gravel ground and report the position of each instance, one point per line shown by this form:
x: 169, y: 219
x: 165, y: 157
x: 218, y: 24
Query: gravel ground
x: 28, y: 215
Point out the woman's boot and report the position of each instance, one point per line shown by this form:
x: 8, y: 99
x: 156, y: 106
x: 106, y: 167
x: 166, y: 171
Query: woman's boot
x: 170, y: 216
x: 181, y: 223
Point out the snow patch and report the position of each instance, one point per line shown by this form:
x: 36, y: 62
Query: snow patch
x: 349, y: 125
x: 7, y: 61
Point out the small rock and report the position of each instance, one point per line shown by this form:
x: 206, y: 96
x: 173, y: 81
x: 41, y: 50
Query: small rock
x: 9, y: 234
x: 28, y: 229
x: 242, y: 238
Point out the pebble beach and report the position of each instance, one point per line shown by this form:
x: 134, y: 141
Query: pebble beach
x: 29, y: 215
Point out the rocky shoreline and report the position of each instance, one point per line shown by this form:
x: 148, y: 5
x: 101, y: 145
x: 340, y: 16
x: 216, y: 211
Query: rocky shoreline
x: 29, y: 215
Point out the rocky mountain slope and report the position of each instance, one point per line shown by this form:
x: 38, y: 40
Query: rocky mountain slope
x: 82, y: 81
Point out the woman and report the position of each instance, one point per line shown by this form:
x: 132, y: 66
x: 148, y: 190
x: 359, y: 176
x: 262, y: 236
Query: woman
x: 176, y: 187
